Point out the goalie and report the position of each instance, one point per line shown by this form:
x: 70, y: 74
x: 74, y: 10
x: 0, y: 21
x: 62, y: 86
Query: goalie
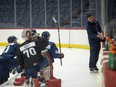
x: 29, y: 56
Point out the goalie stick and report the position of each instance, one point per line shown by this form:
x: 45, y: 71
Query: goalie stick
x: 14, y: 70
x: 10, y: 80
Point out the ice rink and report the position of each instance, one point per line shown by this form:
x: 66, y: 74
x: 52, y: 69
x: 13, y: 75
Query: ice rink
x: 74, y: 72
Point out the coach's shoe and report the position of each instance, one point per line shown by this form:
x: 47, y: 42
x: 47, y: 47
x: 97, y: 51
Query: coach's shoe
x: 91, y: 70
x: 96, y: 70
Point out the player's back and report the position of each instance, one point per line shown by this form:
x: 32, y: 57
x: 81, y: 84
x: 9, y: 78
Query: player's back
x: 9, y: 51
x: 30, y: 52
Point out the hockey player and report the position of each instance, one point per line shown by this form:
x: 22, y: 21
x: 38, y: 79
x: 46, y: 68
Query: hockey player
x: 29, y: 55
x: 35, y: 35
x: 53, y: 52
x: 19, y: 81
x: 7, y: 61
x: 52, y: 49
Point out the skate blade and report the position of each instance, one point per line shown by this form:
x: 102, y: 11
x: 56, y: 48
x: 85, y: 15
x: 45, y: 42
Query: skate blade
x: 95, y: 71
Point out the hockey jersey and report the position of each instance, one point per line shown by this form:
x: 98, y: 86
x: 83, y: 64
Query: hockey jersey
x: 7, y: 60
x: 9, y: 51
x: 29, y: 53
x: 53, y: 50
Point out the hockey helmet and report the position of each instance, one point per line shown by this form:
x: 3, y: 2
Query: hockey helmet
x: 26, y: 34
x: 46, y: 34
x: 33, y: 32
x: 11, y: 39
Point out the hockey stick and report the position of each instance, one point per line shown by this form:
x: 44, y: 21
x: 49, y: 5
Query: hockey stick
x: 14, y: 70
x: 58, y: 37
x: 10, y: 80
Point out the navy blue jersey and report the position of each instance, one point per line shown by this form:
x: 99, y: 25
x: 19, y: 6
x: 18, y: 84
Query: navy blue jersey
x: 7, y: 60
x: 9, y: 51
x: 29, y: 53
x: 53, y: 51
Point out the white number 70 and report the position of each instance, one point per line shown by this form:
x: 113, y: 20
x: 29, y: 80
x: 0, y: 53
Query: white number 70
x: 29, y: 52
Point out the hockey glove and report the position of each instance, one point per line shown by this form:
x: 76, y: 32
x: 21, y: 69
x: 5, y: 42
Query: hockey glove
x: 103, y: 39
x: 61, y: 55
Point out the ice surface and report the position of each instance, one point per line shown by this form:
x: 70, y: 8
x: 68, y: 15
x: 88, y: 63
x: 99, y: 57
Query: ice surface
x: 74, y: 72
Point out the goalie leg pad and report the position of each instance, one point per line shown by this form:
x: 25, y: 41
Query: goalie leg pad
x: 19, y: 81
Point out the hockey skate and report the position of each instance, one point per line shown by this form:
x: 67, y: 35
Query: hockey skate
x: 91, y: 70
x: 31, y: 83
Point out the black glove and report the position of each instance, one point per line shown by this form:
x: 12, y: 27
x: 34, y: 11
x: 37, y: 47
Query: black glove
x: 61, y: 55
x: 103, y: 39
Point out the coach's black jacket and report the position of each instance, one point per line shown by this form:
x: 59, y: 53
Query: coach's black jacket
x: 92, y: 30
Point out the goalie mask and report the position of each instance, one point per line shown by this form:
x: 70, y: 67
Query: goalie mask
x: 26, y: 34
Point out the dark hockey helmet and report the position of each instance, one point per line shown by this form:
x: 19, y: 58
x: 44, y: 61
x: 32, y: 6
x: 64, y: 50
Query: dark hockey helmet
x: 11, y: 39
x: 46, y: 34
x: 33, y: 32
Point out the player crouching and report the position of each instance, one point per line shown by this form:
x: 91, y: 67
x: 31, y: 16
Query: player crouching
x: 29, y: 56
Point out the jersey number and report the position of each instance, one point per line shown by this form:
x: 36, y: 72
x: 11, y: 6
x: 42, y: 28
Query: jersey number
x: 29, y: 52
